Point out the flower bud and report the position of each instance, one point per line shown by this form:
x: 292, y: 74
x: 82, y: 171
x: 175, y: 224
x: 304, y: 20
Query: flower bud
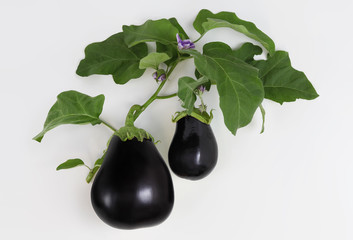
x: 159, y: 75
x: 162, y: 77
x: 155, y: 75
x: 201, y: 88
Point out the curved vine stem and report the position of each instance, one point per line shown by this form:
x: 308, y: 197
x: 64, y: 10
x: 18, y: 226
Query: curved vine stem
x: 198, y: 39
x: 155, y: 95
x: 130, y: 117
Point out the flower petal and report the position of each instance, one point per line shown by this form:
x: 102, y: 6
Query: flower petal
x: 178, y: 38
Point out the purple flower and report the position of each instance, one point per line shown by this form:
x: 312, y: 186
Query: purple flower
x: 202, y: 88
x: 184, y: 44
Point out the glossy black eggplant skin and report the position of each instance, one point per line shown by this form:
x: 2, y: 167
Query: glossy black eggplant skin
x: 133, y: 188
x: 193, y: 152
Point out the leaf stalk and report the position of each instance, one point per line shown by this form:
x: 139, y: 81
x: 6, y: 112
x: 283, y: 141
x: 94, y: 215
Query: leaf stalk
x: 108, y: 125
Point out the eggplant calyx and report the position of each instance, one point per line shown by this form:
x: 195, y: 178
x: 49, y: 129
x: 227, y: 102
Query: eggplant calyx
x: 130, y: 132
x: 196, y: 113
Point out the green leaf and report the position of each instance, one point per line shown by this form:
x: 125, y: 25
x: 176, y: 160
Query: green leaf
x: 197, y: 74
x: 240, y: 90
x: 176, y: 24
x: 217, y: 49
x: 281, y: 81
x: 70, y: 164
x: 186, y: 91
x: 112, y: 56
x: 247, y: 52
x: 73, y: 107
x: 207, y: 20
x: 153, y: 60
x: 171, y: 50
x: 162, y: 31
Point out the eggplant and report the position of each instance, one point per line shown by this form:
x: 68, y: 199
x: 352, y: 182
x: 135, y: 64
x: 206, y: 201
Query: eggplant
x: 193, y: 151
x: 133, y: 188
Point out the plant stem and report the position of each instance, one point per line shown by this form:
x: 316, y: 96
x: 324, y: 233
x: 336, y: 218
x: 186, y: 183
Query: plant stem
x: 172, y: 68
x: 108, y: 125
x: 167, y: 96
x: 202, y: 103
x: 87, y: 167
x: 150, y: 100
x: 155, y: 95
x: 198, y: 39
x: 203, y: 107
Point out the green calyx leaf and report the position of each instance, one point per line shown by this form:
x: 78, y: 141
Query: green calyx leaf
x: 95, y: 168
x: 186, y: 91
x: 162, y: 31
x: 206, y: 20
x: 73, y: 107
x: 239, y: 88
x: 92, y: 173
x: 153, y: 60
x: 263, y: 114
x: 281, y: 81
x: 113, y: 56
x: 130, y: 132
x: 196, y: 113
x: 71, y: 163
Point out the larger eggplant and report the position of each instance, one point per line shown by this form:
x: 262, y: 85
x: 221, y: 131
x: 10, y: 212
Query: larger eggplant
x: 133, y: 187
x: 193, y: 152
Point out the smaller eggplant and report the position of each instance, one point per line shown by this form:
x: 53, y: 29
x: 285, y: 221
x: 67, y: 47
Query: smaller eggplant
x: 193, y: 152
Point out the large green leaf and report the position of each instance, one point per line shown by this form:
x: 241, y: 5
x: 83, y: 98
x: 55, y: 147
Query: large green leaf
x: 281, y: 81
x: 172, y: 49
x: 73, y: 107
x: 176, y: 24
x: 162, y: 31
x: 207, y: 20
x: 153, y: 60
x: 240, y: 90
x: 186, y: 91
x: 112, y: 56
x: 71, y: 163
x: 247, y: 51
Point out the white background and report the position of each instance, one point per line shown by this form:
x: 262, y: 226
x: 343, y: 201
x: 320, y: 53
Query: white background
x: 295, y: 181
